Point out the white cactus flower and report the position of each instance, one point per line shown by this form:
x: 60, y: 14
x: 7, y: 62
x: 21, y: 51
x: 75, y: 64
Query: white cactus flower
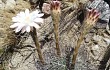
x: 25, y: 21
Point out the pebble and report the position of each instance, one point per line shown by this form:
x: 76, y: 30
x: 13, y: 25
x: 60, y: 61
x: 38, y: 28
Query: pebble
x: 10, y: 4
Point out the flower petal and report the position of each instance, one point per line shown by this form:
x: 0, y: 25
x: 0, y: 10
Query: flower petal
x: 15, y: 19
x: 23, y: 29
x: 39, y: 15
x: 18, y: 28
x: 35, y: 25
x: 27, y: 12
x: 35, y: 12
x: 38, y: 20
x: 14, y: 25
x: 34, y: 16
x: 28, y: 28
x: 22, y: 14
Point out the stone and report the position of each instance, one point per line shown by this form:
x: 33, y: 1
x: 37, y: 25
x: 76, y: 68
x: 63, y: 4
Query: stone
x: 10, y: 4
x: 2, y: 5
x: 108, y: 29
x: 97, y: 38
x: 107, y: 40
x: 96, y: 47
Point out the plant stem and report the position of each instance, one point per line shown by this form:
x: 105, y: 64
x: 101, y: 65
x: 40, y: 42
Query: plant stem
x: 56, y: 19
x: 77, y: 48
x: 75, y: 53
x: 35, y: 39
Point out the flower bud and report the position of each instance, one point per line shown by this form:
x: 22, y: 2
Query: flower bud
x: 55, y: 5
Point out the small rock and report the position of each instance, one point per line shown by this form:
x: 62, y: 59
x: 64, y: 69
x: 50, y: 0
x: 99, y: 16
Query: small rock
x: 88, y: 37
x: 2, y: 5
x: 4, y: 1
x: 10, y: 4
x: 107, y: 40
x: 95, y: 51
x: 101, y: 25
x: 87, y: 40
x: 96, y: 47
x: 34, y: 1
x: 97, y: 38
x: 105, y: 35
x: 83, y: 1
x: 108, y: 29
x: 92, y: 31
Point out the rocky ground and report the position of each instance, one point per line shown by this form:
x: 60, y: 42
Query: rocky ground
x: 25, y: 57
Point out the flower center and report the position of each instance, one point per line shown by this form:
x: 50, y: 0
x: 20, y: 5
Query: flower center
x: 27, y: 20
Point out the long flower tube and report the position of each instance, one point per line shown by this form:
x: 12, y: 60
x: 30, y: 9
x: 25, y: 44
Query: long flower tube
x: 56, y: 12
x: 35, y: 39
x: 90, y: 20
